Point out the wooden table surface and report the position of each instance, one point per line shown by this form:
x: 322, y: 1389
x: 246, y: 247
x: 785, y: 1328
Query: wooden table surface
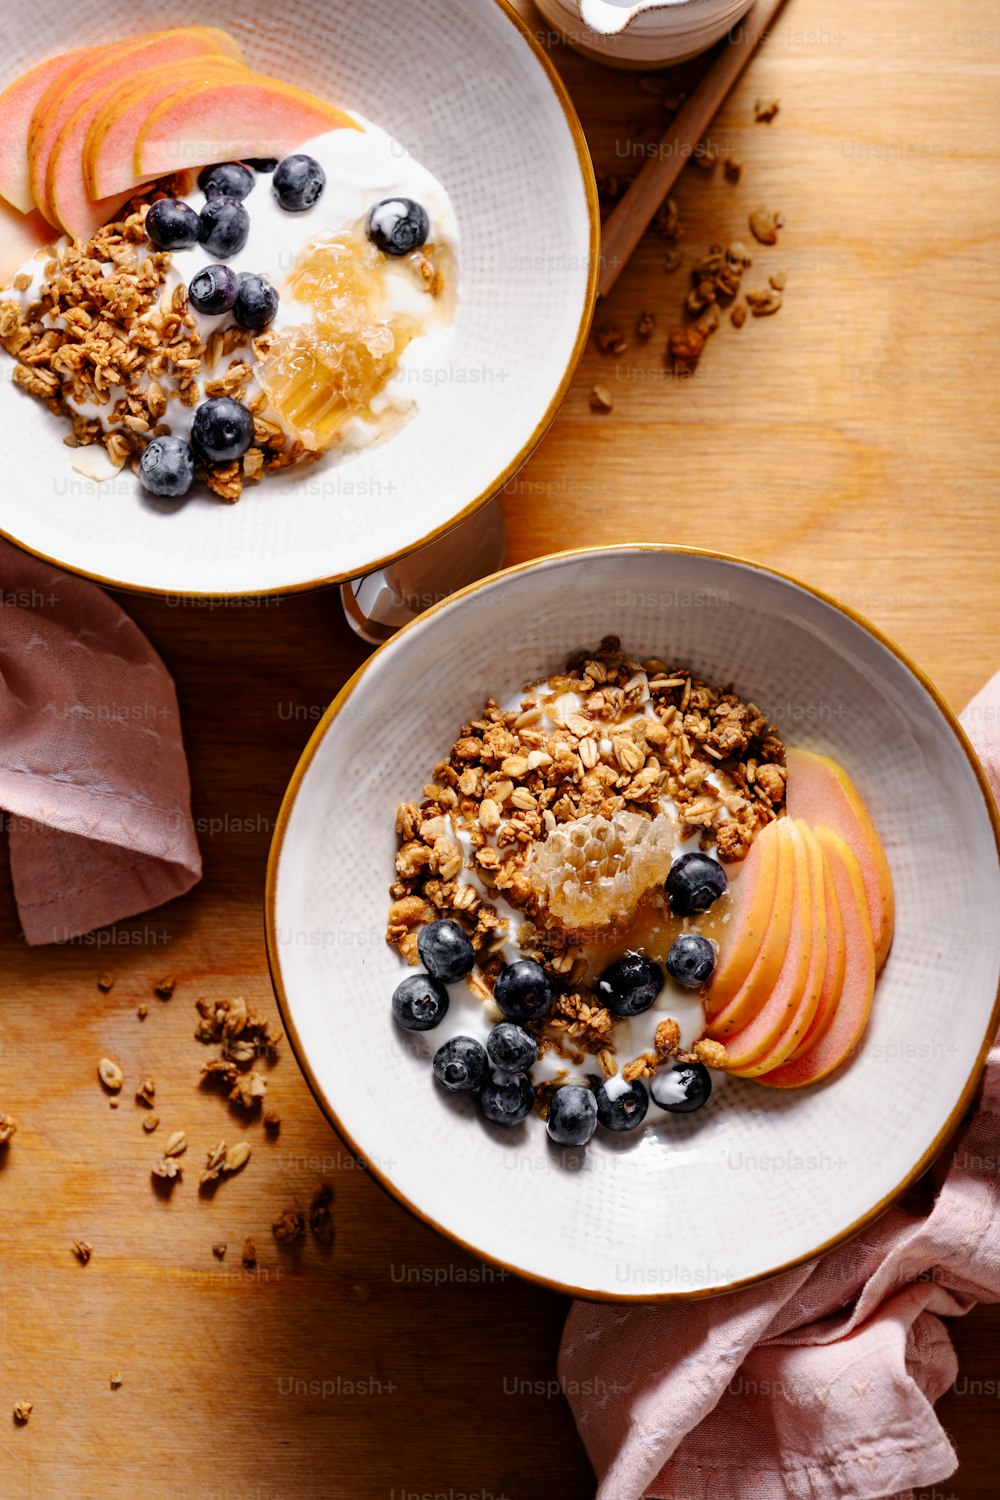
x: 850, y: 439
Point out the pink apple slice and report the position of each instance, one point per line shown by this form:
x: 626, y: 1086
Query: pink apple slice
x: 847, y: 1025
x: 224, y: 122
x: 120, y: 60
x: 122, y: 109
x: 66, y: 189
x: 17, y: 105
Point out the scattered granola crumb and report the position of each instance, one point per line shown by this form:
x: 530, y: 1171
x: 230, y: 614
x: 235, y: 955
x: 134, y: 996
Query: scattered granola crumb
x: 116, y: 1380
x: 272, y: 1121
x: 222, y: 1158
x: 105, y: 982
x: 175, y: 1144
x: 150, y: 1123
x: 610, y: 340
x: 764, y: 110
x: 168, y: 1168
x: 114, y: 1102
x: 671, y: 261
x: 779, y: 281
x: 684, y: 349
x: 248, y: 1090
x: 667, y: 221
x: 8, y: 1127
x: 110, y: 1074
x: 764, y: 302
x: 705, y: 155
x: 164, y: 987
x: 22, y: 1411
x: 146, y: 1093
x: 644, y: 325
x: 600, y: 399
x: 142, y: 1012
x: 732, y: 169
x: 236, y: 1157
x: 219, y: 1249
x: 289, y: 1226
x: 738, y: 316
x: 320, y: 1217
x: 764, y: 225
x: 83, y: 1250
x: 249, y: 1254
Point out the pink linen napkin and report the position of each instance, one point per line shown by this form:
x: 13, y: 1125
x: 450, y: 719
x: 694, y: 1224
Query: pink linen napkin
x: 93, y: 775
x: 820, y: 1383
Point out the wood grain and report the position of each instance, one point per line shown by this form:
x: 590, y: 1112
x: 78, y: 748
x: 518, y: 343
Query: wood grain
x: 851, y: 440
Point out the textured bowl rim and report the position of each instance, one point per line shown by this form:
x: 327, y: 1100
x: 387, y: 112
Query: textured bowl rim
x: 274, y: 963
x: 520, y: 458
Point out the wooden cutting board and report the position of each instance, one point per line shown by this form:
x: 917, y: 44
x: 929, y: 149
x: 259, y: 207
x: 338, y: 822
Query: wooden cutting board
x: 850, y: 439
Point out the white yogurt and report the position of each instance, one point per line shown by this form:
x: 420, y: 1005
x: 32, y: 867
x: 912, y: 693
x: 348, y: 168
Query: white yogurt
x: 362, y: 167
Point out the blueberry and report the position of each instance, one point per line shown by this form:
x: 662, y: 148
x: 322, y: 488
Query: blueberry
x: 227, y: 179
x: 572, y: 1117
x: 225, y: 225
x: 262, y: 163
x: 695, y: 883
x: 691, y: 960
x: 214, y: 290
x: 681, y: 1089
x: 222, y: 429
x: 257, y: 303
x: 619, y: 1109
x: 506, y: 1101
x: 630, y: 985
x: 167, y: 466
x: 297, y: 182
x: 419, y: 1003
x: 398, y: 225
x: 511, y: 1047
x: 523, y: 991
x: 460, y: 1064
x: 445, y: 951
x: 172, y: 225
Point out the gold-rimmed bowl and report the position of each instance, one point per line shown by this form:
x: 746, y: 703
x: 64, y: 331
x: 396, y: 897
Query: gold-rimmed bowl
x: 468, y: 91
x: 759, y: 1180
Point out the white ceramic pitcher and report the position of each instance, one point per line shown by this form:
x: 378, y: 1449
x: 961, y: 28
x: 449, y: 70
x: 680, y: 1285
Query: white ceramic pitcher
x: 642, y: 33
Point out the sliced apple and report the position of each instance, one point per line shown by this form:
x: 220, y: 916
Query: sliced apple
x: 252, y: 117
x: 821, y: 792
x: 766, y: 966
x: 836, y: 960
x: 751, y: 885
x: 850, y: 1018
x: 17, y: 105
x: 20, y: 236
x: 780, y: 1007
x: 801, y: 1017
x: 66, y: 190
x: 121, y: 110
x: 120, y: 60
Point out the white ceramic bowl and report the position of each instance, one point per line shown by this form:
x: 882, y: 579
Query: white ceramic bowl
x: 469, y: 92
x: 650, y: 35
x: 759, y: 1180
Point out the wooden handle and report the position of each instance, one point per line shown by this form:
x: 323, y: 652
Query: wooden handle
x: 634, y: 213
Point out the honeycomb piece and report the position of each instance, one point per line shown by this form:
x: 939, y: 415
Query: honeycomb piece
x: 594, y: 871
x: 317, y: 374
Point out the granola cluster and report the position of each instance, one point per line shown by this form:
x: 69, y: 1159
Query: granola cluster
x: 644, y: 733
x: 107, y: 332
